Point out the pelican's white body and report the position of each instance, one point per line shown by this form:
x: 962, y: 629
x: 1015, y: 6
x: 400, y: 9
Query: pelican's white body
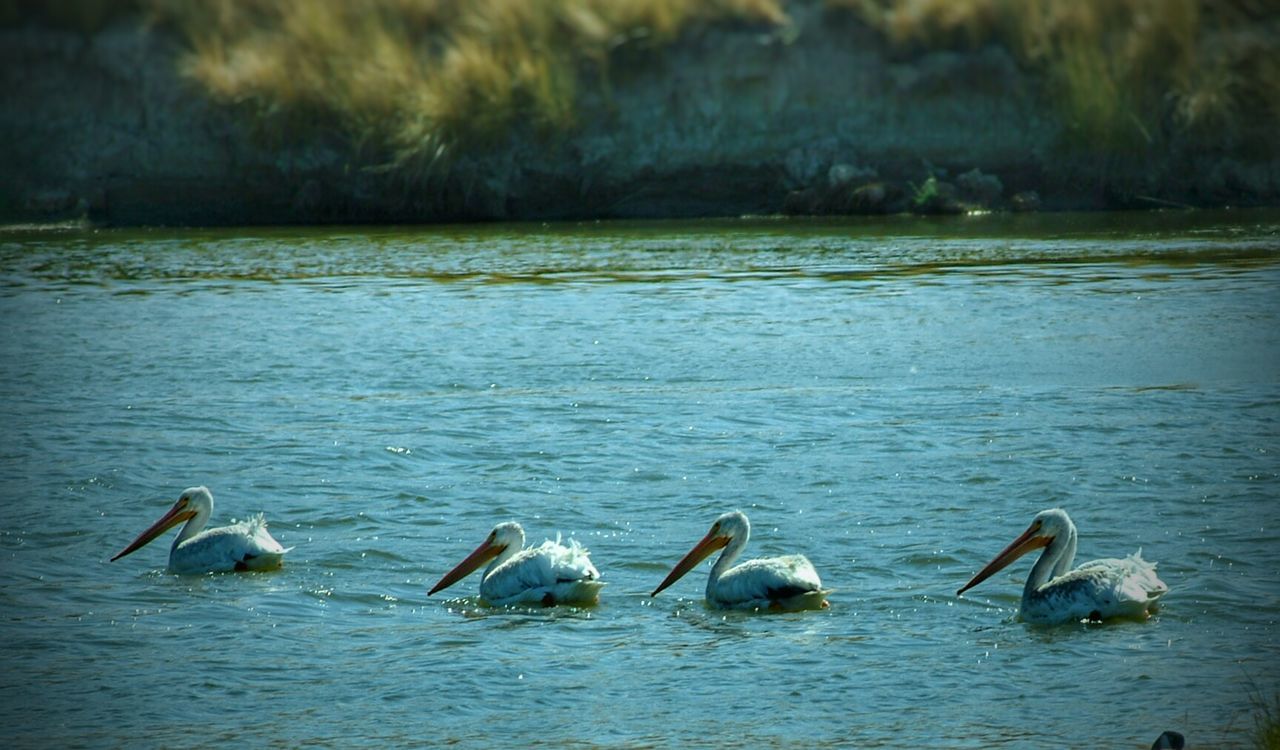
x: 246, y: 545
x: 1097, y: 590
x: 763, y: 583
x: 241, y: 546
x: 785, y: 583
x: 550, y: 573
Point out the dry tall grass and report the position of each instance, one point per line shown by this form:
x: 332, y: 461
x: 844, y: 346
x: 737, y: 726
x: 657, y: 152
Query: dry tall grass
x: 1124, y: 73
x: 410, y: 80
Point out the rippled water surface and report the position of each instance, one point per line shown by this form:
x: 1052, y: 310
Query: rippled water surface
x: 895, y: 399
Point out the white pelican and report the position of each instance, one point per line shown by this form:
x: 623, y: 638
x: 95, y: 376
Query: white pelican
x: 784, y: 583
x: 548, y: 574
x: 1096, y: 590
x: 241, y: 546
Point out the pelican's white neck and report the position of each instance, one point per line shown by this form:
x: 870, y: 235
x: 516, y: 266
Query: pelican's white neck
x: 200, y: 501
x: 1054, y: 561
x: 511, y: 536
x: 739, y: 532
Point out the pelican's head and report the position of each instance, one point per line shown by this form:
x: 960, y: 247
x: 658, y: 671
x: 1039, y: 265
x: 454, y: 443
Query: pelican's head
x: 728, y: 527
x: 198, y: 499
x: 193, y: 502
x: 732, y: 525
x: 1045, y: 527
x: 507, y: 535
x: 1053, y: 523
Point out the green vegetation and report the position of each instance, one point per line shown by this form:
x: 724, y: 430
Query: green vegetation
x: 929, y: 197
x: 407, y: 82
x: 1266, y: 719
x: 1124, y: 73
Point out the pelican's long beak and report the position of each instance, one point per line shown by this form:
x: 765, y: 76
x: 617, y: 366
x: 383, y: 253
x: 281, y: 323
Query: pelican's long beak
x: 713, y: 541
x: 1030, y: 539
x: 482, y: 554
x: 176, y: 515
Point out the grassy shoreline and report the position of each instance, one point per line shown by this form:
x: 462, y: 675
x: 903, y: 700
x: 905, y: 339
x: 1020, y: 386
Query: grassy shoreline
x: 407, y: 83
x: 447, y: 109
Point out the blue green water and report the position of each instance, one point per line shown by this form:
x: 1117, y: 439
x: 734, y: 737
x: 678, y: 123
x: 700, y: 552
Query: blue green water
x: 894, y: 398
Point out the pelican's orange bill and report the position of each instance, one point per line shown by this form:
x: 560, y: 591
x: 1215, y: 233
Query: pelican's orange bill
x: 713, y: 541
x: 1029, y: 540
x: 482, y: 554
x: 176, y: 515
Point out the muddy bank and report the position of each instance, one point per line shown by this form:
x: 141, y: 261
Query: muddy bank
x: 816, y: 118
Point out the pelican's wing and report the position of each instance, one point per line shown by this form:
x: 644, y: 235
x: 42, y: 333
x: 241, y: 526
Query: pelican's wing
x: 1131, y: 581
x: 788, y: 582
x: 1098, y: 590
x: 1141, y: 581
x: 241, y: 546
x: 551, y: 573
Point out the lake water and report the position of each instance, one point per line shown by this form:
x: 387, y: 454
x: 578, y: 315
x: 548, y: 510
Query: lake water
x: 893, y: 398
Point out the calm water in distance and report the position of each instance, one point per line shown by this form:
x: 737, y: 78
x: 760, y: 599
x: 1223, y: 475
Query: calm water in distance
x: 893, y: 398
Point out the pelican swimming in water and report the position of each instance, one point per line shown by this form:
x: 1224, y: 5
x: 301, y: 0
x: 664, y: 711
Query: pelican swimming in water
x: 548, y: 574
x: 241, y: 546
x: 1097, y: 590
x: 784, y: 583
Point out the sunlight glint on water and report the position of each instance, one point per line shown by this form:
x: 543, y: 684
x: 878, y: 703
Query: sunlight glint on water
x: 895, y: 399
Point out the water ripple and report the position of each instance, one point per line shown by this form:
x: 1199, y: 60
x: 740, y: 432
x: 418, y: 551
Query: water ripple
x: 893, y: 399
